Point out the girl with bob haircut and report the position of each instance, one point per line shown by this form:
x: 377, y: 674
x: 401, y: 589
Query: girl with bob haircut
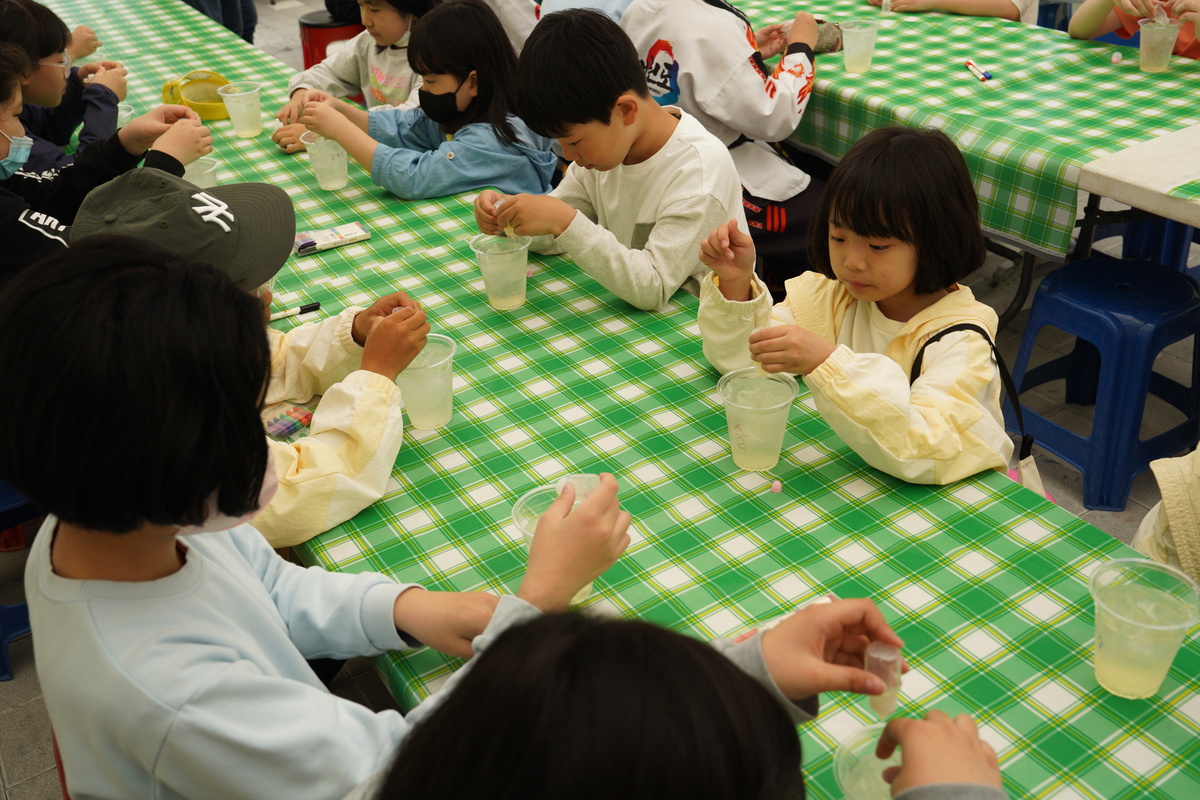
x: 145, y: 578
x: 896, y: 227
x: 463, y: 136
x: 571, y: 706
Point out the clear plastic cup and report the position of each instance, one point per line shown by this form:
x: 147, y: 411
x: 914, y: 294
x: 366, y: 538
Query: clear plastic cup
x: 1143, y: 611
x: 329, y: 161
x: 244, y: 104
x: 504, y: 263
x: 1158, y: 39
x: 530, y: 506
x: 202, y: 172
x: 757, y: 405
x: 884, y: 661
x: 427, y: 384
x: 858, y: 42
x: 125, y: 114
x: 859, y: 773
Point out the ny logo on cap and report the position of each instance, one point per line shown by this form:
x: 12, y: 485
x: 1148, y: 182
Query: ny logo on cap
x: 212, y: 210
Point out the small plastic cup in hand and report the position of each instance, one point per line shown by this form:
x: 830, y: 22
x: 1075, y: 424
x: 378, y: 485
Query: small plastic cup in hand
x: 125, y: 114
x: 427, y: 384
x: 1143, y: 611
x: 756, y: 407
x: 858, y: 42
x: 1157, y: 41
x: 244, y: 104
x: 884, y: 661
x: 530, y: 506
x: 859, y: 773
x: 202, y: 172
x: 504, y: 263
x: 329, y: 161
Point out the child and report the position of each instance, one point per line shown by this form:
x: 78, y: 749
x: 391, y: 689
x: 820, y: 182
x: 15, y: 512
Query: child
x: 1025, y: 11
x: 1097, y: 17
x: 58, y: 97
x: 703, y: 56
x: 170, y: 640
x: 375, y: 63
x: 37, y: 208
x: 647, y: 181
x: 352, y: 359
x: 463, y: 136
x: 569, y: 706
x: 901, y: 227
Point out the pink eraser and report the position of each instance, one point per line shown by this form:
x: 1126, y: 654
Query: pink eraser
x: 776, y: 487
x: 529, y: 272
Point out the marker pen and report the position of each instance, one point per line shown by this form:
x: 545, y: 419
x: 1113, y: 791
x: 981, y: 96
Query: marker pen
x: 294, y: 312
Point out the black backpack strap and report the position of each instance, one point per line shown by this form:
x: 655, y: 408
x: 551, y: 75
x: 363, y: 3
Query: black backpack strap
x: 1010, y: 388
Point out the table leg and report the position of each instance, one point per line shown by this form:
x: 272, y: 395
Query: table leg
x: 1018, y: 300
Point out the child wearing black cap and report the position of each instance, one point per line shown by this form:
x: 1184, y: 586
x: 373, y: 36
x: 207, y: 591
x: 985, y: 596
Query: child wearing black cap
x: 351, y: 360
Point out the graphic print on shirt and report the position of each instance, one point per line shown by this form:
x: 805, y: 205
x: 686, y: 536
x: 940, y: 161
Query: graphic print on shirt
x: 387, y: 89
x: 662, y: 73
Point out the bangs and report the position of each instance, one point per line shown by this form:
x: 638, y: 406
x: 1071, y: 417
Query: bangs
x: 872, y: 209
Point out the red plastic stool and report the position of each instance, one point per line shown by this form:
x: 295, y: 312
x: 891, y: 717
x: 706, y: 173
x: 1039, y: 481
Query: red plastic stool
x: 12, y: 539
x: 318, y: 30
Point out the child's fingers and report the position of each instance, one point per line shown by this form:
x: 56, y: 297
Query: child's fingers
x: 562, y: 504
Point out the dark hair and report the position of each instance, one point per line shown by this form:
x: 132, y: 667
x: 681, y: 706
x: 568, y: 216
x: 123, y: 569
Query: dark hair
x: 417, y: 8
x: 910, y: 184
x: 459, y: 36
x: 132, y: 386
x: 14, y: 65
x: 569, y: 706
x: 34, y: 28
x: 572, y: 69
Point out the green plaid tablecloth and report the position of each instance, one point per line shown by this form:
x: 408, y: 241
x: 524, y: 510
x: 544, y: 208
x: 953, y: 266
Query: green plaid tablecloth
x: 1054, y: 105
x: 985, y: 581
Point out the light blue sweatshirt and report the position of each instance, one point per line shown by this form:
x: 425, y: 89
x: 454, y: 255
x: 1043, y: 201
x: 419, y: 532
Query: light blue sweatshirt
x: 415, y: 160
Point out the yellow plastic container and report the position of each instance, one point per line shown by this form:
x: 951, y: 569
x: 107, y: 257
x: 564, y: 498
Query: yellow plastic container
x: 198, y: 91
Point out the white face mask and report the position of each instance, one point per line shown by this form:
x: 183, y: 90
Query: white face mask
x: 216, y: 521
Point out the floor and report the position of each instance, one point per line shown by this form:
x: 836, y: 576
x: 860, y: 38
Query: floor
x: 27, y: 769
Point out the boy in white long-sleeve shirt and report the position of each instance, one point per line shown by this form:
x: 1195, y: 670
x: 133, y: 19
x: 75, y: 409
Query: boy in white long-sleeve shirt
x: 648, y: 182
x: 351, y: 360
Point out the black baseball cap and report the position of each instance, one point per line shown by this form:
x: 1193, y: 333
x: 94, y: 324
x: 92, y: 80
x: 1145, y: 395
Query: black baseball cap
x: 245, y: 229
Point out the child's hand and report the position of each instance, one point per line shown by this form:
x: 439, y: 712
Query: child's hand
x: 394, y: 341
x: 570, y: 549
x: 804, y: 29
x: 533, y: 214
x: 290, y: 113
x: 771, y: 40
x: 141, y: 132
x: 938, y: 749
x: 366, y: 320
x: 186, y: 140
x: 1138, y: 8
x: 326, y: 120
x: 729, y: 253
x: 1186, y: 10
x: 820, y: 648
x: 789, y: 348
x: 106, y: 73
x: 909, y: 6
x: 288, y: 137
x: 445, y: 621
x: 84, y: 42
x: 485, y: 212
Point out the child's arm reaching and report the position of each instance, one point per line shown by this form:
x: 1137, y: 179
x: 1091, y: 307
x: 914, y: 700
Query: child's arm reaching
x: 1096, y: 17
x: 338, y: 120
x: 1000, y: 9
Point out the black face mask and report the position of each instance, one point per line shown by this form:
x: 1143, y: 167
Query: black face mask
x: 441, y: 108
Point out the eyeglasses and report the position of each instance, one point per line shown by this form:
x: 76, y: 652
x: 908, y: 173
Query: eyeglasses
x: 66, y: 64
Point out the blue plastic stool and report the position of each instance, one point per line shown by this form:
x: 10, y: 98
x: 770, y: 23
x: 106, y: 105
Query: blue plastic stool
x: 14, y: 619
x: 1122, y: 313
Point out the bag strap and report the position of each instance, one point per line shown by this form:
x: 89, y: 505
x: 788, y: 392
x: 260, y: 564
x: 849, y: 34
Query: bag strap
x: 1010, y: 388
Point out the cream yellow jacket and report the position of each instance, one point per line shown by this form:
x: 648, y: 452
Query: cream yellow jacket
x: 1170, y: 533
x: 944, y: 427
x: 343, y: 464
